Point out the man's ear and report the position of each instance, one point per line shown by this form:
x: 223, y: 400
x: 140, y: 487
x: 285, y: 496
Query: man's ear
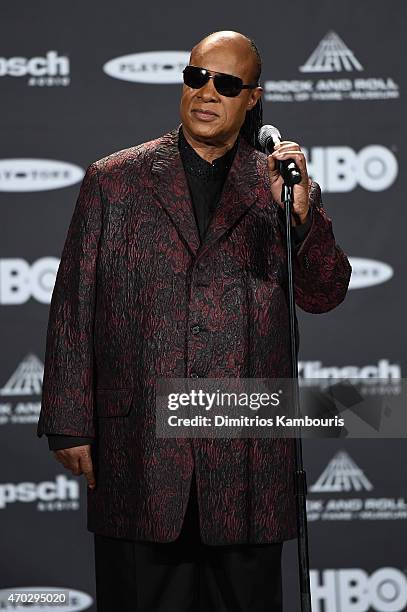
x: 254, y: 96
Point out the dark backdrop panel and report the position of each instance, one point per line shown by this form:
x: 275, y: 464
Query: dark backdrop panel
x: 74, y: 114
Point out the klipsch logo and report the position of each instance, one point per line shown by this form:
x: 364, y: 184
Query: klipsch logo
x: 37, y: 174
x: 383, y: 369
x: 20, y: 395
x: 49, y: 71
x: 343, y: 476
x: 149, y: 67
x: 50, y: 496
x: 379, y: 379
x: 331, y: 57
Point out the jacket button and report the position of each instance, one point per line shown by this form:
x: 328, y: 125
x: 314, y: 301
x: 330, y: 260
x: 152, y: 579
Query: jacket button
x: 194, y: 375
x: 195, y: 329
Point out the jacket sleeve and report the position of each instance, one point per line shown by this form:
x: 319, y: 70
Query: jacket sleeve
x: 321, y: 269
x: 299, y: 232
x: 59, y: 442
x: 67, y: 394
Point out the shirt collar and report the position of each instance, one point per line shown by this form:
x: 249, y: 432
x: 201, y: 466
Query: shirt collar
x: 195, y: 164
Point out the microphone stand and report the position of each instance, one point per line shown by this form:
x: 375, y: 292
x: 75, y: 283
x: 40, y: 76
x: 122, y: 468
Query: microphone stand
x: 287, y: 197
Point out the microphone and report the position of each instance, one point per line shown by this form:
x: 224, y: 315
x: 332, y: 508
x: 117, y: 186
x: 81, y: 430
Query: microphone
x: 270, y: 136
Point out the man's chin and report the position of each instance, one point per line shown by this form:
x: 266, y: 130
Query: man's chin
x: 204, y: 132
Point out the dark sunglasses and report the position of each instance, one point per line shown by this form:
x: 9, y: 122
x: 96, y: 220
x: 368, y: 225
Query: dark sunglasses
x: 225, y: 84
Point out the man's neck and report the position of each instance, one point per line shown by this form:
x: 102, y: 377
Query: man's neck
x: 209, y: 150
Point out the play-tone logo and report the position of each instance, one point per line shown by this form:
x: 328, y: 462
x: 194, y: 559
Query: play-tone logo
x: 149, y: 67
x: 49, y: 71
x: 354, y: 590
x: 331, y: 56
x: 343, y: 476
x: 368, y: 272
x: 340, y: 169
x: 77, y: 600
x: 18, y: 175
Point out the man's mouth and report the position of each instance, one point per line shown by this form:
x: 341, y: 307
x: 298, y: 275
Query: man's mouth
x: 204, y: 115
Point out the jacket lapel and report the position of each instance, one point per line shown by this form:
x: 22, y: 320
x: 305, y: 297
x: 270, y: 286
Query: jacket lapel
x: 238, y: 195
x: 171, y: 189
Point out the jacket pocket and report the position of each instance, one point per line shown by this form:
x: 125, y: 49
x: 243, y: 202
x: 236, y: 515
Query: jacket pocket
x: 113, y: 402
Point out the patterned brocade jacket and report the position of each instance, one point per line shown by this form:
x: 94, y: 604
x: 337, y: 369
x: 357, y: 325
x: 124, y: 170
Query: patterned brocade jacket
x: 138, y: 297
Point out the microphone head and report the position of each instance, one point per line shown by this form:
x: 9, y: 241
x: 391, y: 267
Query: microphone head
x: 269, y: 132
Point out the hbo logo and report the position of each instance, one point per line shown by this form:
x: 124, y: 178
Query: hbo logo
x: 353, y: 590
x: 340, y: 169
x: 20, y: 281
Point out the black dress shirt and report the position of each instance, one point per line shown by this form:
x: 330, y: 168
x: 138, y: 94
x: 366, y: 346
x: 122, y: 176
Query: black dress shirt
x: 205, y: 181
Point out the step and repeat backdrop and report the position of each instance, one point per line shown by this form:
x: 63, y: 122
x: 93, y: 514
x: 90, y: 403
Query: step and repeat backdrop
x: 80, y: 81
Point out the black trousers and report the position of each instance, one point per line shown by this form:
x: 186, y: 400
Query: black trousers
x: 187, y: 575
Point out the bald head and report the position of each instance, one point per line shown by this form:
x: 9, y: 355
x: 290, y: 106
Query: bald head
x: 212, y: 120
x: 234, y: 44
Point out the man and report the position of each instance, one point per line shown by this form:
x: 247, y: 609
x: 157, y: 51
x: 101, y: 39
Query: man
x: 174, y: 265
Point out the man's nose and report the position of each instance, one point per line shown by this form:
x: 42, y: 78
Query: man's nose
x: 208, y: 92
